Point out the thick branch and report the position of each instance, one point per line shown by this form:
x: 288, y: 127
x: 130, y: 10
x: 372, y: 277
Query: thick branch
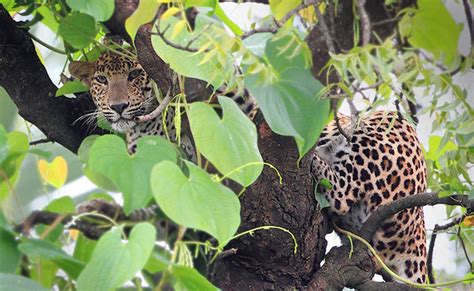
x: 26, y: 81
x: 418, y: 200
x: 90, y: 230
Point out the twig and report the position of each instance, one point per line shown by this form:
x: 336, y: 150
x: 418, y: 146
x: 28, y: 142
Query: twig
x: 325, y: 30
x: 463, y: 246
x: 226, y: 253
x: 187, y: 47
x: 338, y: 123
x: 157, y: 111
x: 45, y: 217
x: 295, y: 10
x: 437, y: 228
x: 281, y: 22
x: 422, y: 199
x: 40, y: 141
x: 382, y: 22
x: 365, y: 22
x: 48, y: 46
x: 467, y: 10
x: 374, y: 86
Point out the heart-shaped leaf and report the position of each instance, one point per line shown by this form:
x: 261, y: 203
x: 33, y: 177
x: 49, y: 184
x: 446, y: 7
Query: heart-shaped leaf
x: 196, y: 201
x: 145, y: 12
x: 187, y: 278
x: 115, y: 262
x: 78, y: 30
x: 228, y: 143
x: 290, y: 101
x: 54, y: 173
x: 35, y: 248
x: 108, y: 157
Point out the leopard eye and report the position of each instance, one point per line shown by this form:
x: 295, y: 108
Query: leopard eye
x: 101, y: 79
x: 133, y: 74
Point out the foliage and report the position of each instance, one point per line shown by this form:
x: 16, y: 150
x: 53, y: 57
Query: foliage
x: 275, y: 66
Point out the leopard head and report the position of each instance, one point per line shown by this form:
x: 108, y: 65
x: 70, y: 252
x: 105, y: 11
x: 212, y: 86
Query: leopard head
x: 120, y: 88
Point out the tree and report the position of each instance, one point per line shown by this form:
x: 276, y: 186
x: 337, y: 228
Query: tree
x: 342, y: 50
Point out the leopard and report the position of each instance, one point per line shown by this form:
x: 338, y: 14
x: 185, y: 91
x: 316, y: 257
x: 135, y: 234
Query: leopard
x: 122, y: 91
x: 382, y: 162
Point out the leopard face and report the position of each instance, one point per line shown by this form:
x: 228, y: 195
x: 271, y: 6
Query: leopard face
x: 120, y: 88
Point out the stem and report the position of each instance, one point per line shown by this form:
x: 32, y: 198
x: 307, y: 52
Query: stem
x: 266, y: 227
x: 392, y: 273
x: 252, y: 164
x: 48, y: 46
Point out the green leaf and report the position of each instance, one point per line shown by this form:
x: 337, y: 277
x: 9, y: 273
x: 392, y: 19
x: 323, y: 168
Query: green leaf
x: 145, y: 12
x: 3, y: 144
x: 437, y: 149
x: 290, y: 102
x: 189, y: 64
x: 320, y: 198
x: 10, y: 282
x: 187, y: 278
x: 84, y: 248
x: 256, y: 43
x: 35, y: 249
x: 17, y: 144
x: 78, y: 30
x: 196, y: 201
x: 44, y: 272
x: 199, y: 3
x: 228, y: 143
x: 159, y: 261
x: 96, y: 178
x: 8, y: 252
x: 48, y: 18
x: 108, y: 157
x: 281, y: 7
x: 71, y: 87
x: 62, y: 205
x: 424, y: 25
x: 114, y: 262
x: 41, y: 153
x: 101, y: 10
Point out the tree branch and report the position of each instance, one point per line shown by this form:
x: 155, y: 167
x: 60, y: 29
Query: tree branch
x: 422, y: 199
x: 438, y: 228
x: 365, y: 22
x: 33, y: 92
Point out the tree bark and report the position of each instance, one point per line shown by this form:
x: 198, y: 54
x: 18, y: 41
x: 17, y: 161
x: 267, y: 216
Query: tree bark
x: 26, y: 81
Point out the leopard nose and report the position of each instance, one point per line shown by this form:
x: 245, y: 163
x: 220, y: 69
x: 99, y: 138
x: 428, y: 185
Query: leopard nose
x: 119, y: 108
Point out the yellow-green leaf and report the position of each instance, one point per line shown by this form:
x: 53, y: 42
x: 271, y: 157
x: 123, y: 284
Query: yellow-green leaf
x: 170, y: 12
x: 145, y: 12
x: 180, y: 25
x: 281, y: 7
x: 54, y: 173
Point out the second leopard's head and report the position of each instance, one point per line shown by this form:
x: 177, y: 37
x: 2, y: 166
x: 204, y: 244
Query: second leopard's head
x: 120, y: 88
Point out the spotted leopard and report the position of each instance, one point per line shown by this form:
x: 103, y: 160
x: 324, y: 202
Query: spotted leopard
x: 382, y: 163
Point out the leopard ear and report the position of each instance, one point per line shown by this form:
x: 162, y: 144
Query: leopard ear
x: 82, y: 71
